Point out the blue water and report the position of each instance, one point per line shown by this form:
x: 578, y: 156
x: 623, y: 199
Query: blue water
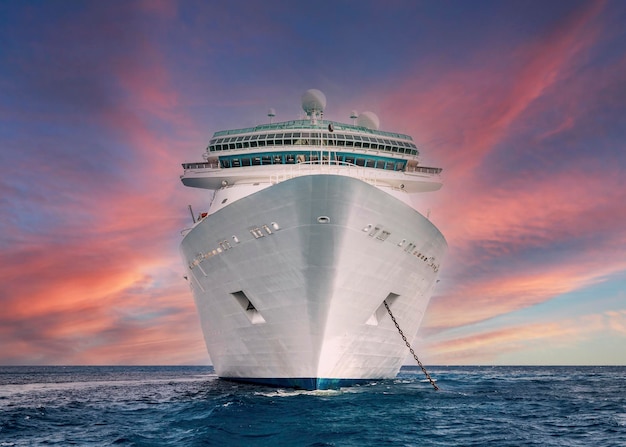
x: 190, y: 406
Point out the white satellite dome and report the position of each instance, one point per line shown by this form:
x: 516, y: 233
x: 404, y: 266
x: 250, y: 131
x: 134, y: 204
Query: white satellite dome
x: 313, y: 101
x: 369, y: 120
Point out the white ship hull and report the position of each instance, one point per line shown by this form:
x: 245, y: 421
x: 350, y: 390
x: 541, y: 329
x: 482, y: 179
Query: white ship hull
x: 290, y: 281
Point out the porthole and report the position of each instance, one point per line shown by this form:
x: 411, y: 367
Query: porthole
x: 323, y: 219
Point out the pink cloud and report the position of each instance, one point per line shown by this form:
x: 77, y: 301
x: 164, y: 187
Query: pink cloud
x: 109, y: 286
x: 113, y: 286
x: 617, y: 321
x: 490, y: 346
x: 108, y: 283
x: 532, y: 212
x: 461, y: 116
x: 490, y: 296
x: 466, y: 117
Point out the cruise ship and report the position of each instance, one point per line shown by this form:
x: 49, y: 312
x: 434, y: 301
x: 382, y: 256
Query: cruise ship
x: 310, y: 233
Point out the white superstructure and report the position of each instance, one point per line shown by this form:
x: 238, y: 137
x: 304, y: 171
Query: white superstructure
x: 310, y: 229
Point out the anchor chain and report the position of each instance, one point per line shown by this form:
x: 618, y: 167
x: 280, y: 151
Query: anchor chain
x: 408, y: 345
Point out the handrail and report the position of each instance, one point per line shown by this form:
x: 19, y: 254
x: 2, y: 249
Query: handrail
x: 408, y: 169
x: 200, y: 165
x: 423, y: 169
x: 334, y: 168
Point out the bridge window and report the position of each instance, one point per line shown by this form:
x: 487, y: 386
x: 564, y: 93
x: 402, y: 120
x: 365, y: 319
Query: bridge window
x: 315, y: 156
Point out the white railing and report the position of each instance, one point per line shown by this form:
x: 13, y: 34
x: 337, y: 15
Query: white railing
x: 201, y: 165
x: 335, y: 168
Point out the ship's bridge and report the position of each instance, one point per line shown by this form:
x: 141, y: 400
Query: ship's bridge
x: 307, y: 133
x: 275, y: 151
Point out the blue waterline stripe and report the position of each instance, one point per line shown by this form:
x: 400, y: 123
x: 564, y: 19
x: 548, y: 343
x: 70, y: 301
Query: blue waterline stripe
x: 301, y: 383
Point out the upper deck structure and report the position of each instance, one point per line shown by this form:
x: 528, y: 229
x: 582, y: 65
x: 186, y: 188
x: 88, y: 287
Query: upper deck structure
x: 279, y: 151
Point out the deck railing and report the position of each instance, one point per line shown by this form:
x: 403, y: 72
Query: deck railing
x: 334, y: 168
x: 408, y: 169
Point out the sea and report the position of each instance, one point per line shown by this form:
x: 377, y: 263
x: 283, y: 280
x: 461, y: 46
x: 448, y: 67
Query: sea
x: 190, y: 406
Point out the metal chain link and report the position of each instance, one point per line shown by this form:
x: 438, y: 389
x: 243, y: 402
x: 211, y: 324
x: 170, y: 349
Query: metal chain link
x: 408, y: 345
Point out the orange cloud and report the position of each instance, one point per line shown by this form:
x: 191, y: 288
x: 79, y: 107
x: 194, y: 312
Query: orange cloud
x: 119, y: 303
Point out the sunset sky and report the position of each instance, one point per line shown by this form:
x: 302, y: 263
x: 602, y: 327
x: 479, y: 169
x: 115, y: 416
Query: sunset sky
x: 522, y: 103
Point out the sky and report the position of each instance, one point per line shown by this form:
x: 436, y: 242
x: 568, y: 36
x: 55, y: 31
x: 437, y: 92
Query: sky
x: 523, y: 105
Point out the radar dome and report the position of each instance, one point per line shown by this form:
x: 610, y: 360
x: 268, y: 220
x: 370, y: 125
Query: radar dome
x: 313, y: 101
x: 369, y: 120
